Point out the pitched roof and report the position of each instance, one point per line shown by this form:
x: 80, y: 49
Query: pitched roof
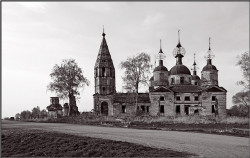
x: 215, y: 89
x: 131, y: 98
x: 162, y: 89
x: 104, y: 58
x: 186, y: 88
x: 54, y: 107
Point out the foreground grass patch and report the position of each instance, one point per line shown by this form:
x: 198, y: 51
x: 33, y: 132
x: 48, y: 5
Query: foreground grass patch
x: 26, y: 143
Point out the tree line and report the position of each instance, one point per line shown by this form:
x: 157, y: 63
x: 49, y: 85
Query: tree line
x: 35, y: 113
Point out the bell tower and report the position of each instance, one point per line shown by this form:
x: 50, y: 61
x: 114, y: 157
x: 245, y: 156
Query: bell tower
x: 209, y: 73
x: 104, y: 70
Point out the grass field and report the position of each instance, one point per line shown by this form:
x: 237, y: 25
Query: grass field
x: 37, y: 143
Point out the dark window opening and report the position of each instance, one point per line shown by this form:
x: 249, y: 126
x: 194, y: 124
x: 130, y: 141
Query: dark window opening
x: 161, y: 98
x: 103, y: 89
x: 196, y: 105
x: 123, y: 108
x: 213, y: 109
x: 143, y: 108
x: 195, y: 83
x: 172, y: 80
x: 187, y: 98
x: 182, y: 79
x: 213, y: 98
x: 196, y: 111
x: 103, y: 71
x: 187, y: 109
x: 178, y: 98
x: 147, y: 108
x: 162, y: 109
x: 178, y: 109
x: 196, y: 98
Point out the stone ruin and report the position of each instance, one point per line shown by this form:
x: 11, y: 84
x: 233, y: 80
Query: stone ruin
x: 54, y: 109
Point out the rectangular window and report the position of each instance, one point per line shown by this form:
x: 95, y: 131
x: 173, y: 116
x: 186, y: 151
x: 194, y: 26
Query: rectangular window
x: 172, y: 80
x: 187, y: 98
x: 196, y: 98
x: 195, y: 83
x: 103, y: 72
x: 182, y: 79
x: 178, y: 109
x: 213, y: 98
x: 103, y: 89
x: 143, y: 108
x: 147, y: 108
x: 178, y: 98
x: 186, y: 109
x: 162, y: 98
x: 123, y: 108
x: 162, y: 109
x: 213, y: 109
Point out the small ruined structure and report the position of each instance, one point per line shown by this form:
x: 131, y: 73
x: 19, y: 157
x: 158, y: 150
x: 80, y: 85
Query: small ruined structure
x: 65, y: 109
x: 174, y: 92
x: 73, y: 109
x: 54, y: 109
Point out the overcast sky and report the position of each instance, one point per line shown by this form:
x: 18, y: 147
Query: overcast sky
x: 38, y: 35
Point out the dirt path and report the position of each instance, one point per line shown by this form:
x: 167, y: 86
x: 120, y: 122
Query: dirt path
x: 205, y: 145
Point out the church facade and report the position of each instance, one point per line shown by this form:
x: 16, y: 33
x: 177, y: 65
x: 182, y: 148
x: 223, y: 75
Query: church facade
x: 174, y: 92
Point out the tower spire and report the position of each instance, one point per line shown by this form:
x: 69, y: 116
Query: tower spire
x: 103, y: 34
x: 160, y: 47
x: 209, y: 43
x: 194, y: 59
x: 179, y: 36
x: 194, y: 66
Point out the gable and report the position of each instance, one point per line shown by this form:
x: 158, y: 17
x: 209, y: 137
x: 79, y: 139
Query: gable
x: 162, y: 89
x: 215, y: 89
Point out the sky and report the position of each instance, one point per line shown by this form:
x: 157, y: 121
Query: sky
x: 38, y: 35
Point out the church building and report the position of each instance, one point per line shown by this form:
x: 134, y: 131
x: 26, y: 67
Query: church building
x: 174, y: 92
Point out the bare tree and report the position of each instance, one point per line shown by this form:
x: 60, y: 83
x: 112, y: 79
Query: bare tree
x: 137, y: 69
x: 244, y: 63
x: 67, y: 80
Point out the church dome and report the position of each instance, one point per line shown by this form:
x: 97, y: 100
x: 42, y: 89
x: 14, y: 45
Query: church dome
x: 160, y: 68
x: 209, y: 67
x: 179, y: 69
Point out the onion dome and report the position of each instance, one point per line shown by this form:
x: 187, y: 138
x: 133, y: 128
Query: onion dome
x: 179, y: 53
x: 209, y: 56
x: 179, y: 69
x: 161, y: 56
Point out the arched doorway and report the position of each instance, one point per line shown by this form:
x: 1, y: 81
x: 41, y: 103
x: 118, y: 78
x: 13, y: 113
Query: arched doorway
x: 104, y: 108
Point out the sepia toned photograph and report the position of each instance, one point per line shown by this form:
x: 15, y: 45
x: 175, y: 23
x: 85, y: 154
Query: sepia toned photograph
x: 125, y: 79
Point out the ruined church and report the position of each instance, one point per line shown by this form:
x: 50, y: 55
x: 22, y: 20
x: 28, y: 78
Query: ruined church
x: 174, y: 92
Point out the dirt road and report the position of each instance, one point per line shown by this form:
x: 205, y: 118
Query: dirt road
x: 204, y: 145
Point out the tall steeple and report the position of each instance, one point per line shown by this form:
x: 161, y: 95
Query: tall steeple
x: 194, y: 66
x: 161, y: 56
x: 179, y: 51
x: 209, y: 72
x: 104, y: 70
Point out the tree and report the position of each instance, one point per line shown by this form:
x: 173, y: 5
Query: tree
x: 244, y: 63
x: 67, y: 80
x: 241, y: 100
x: 43, y: 113
x: 35, y: 112
x: 137, y: 69
x: 25, y: 115
x: 17, y: 116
